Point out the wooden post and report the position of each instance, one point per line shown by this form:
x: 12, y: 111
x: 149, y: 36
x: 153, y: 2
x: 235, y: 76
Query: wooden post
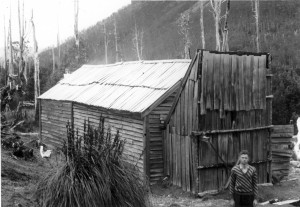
x: 147, y: 147
x: 72, y: 115
x: 269, y: 114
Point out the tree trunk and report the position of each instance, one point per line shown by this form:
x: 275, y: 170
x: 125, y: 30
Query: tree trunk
x: 76, y: 10
x: 5, y: 51
x: 136, y: 41
x: 202, y: 24
x: 116, y: 38
x: 105, y: 42
x: 141, y: 34
x: 53, y: 60
x: 257, y: 25
x: 225, y: 45
x: 187, y: 46
x: 58, y: 50
x: 36, y: 69
x: 11, y: 67
x: 21, y: 49
x: 217, y: 24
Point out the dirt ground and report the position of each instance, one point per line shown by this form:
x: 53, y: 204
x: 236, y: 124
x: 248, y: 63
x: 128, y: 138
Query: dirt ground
x: 19, y: 179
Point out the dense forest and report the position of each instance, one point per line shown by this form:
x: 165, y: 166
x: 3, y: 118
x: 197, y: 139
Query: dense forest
x: 159, y: 38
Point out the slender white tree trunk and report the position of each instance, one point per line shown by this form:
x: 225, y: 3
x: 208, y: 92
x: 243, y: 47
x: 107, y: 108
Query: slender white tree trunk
x: 53, y: 60
x: 36, y: 67
x: 21, y: 49
x: 136, y: 41
x: 141, y: 34
x: 105, y: 42
x: 225, y: 45
x: 58, y: 50
x: 76, y: 11
x: 202, y: 24
x: 116, y: 38
x: 5, y: 49
x: 11, y: 67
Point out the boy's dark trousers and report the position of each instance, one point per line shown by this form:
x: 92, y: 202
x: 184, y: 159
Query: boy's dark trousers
x: 243, y: 199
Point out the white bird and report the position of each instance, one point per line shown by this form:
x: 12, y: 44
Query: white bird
x: 46, y: 153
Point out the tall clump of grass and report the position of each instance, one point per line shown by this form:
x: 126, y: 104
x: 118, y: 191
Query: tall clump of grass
x: 94, y: 173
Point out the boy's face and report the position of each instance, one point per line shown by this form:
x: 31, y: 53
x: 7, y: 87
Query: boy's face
x: 244, y: 159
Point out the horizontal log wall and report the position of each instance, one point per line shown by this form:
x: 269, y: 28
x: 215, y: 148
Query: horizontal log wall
x: 281, y: 151
x: 156, y: 155
x: 54, y: 118
x: 230, y: 98
x: 131, y: 129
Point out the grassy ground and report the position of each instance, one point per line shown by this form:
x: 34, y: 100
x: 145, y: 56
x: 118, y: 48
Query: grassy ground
x: 19, y: 178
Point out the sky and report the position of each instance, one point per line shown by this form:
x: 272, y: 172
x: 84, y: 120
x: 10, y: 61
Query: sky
x: 52, y: 15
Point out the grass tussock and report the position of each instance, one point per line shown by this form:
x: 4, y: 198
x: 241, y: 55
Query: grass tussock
x: 94, y: 173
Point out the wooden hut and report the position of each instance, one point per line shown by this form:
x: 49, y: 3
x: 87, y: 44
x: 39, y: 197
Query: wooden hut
x: 224, y: 105
x: 133, y: 97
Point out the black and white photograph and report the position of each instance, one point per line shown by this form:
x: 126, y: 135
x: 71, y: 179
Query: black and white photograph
x: 150, y: 103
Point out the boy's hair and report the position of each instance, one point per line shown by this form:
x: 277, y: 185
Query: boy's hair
x: 244, y: 152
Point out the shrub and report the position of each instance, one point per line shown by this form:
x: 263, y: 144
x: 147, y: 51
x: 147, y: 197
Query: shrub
x: 94, y: 173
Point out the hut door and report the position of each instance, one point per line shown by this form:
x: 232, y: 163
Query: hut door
x: 218, y: 153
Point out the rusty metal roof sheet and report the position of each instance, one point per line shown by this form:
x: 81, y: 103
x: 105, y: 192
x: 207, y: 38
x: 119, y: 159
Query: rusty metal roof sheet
x: 129, y: 86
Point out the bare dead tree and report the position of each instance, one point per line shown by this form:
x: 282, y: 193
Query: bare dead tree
x: 5, y: 49
x: 58, y: 50
x: 202, y: 24
x: 220, y: 33
x: 183, y: 24
x: 141, y: 42
x: 137, y: 41
x: 11, y: 67
x: 256, y: 15
x: 225, y: 45
x: 76, y: 11
x: 21, y: 43
x: 216, y: 6
x: 106, y: 41
x: 116, y: 38
x: 36, y: 67
x: 53, y: 60
x: 58, y: 39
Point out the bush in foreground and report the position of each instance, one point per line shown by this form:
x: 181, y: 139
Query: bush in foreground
x: 94, y: 173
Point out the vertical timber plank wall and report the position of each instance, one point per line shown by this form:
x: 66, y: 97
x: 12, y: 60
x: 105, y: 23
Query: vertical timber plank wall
x: 179, y: 146
x: 131, y: 129
x: 231, y: 96
x: 54, y: 117
x: 156, y: 139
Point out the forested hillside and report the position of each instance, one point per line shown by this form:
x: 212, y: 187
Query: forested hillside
x: 279, y: 29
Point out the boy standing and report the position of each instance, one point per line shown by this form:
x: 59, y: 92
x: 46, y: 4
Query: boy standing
x: 243, y: 182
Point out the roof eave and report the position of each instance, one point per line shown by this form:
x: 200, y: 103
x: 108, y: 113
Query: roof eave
x: 171, y: 90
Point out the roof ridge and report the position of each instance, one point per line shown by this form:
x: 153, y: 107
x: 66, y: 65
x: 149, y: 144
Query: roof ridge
x: 113, y: 84
x: 140, y: 61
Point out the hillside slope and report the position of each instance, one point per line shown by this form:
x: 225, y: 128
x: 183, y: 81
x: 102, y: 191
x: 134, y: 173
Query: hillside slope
x: 279, y: 29
x: 279, y: 26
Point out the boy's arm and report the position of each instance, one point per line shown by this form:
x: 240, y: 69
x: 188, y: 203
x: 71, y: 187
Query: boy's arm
x: 232, y: 182
x: 254, y: 184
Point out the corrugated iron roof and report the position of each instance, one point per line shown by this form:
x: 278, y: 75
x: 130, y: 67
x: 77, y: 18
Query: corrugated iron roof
x: 129, y: 86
